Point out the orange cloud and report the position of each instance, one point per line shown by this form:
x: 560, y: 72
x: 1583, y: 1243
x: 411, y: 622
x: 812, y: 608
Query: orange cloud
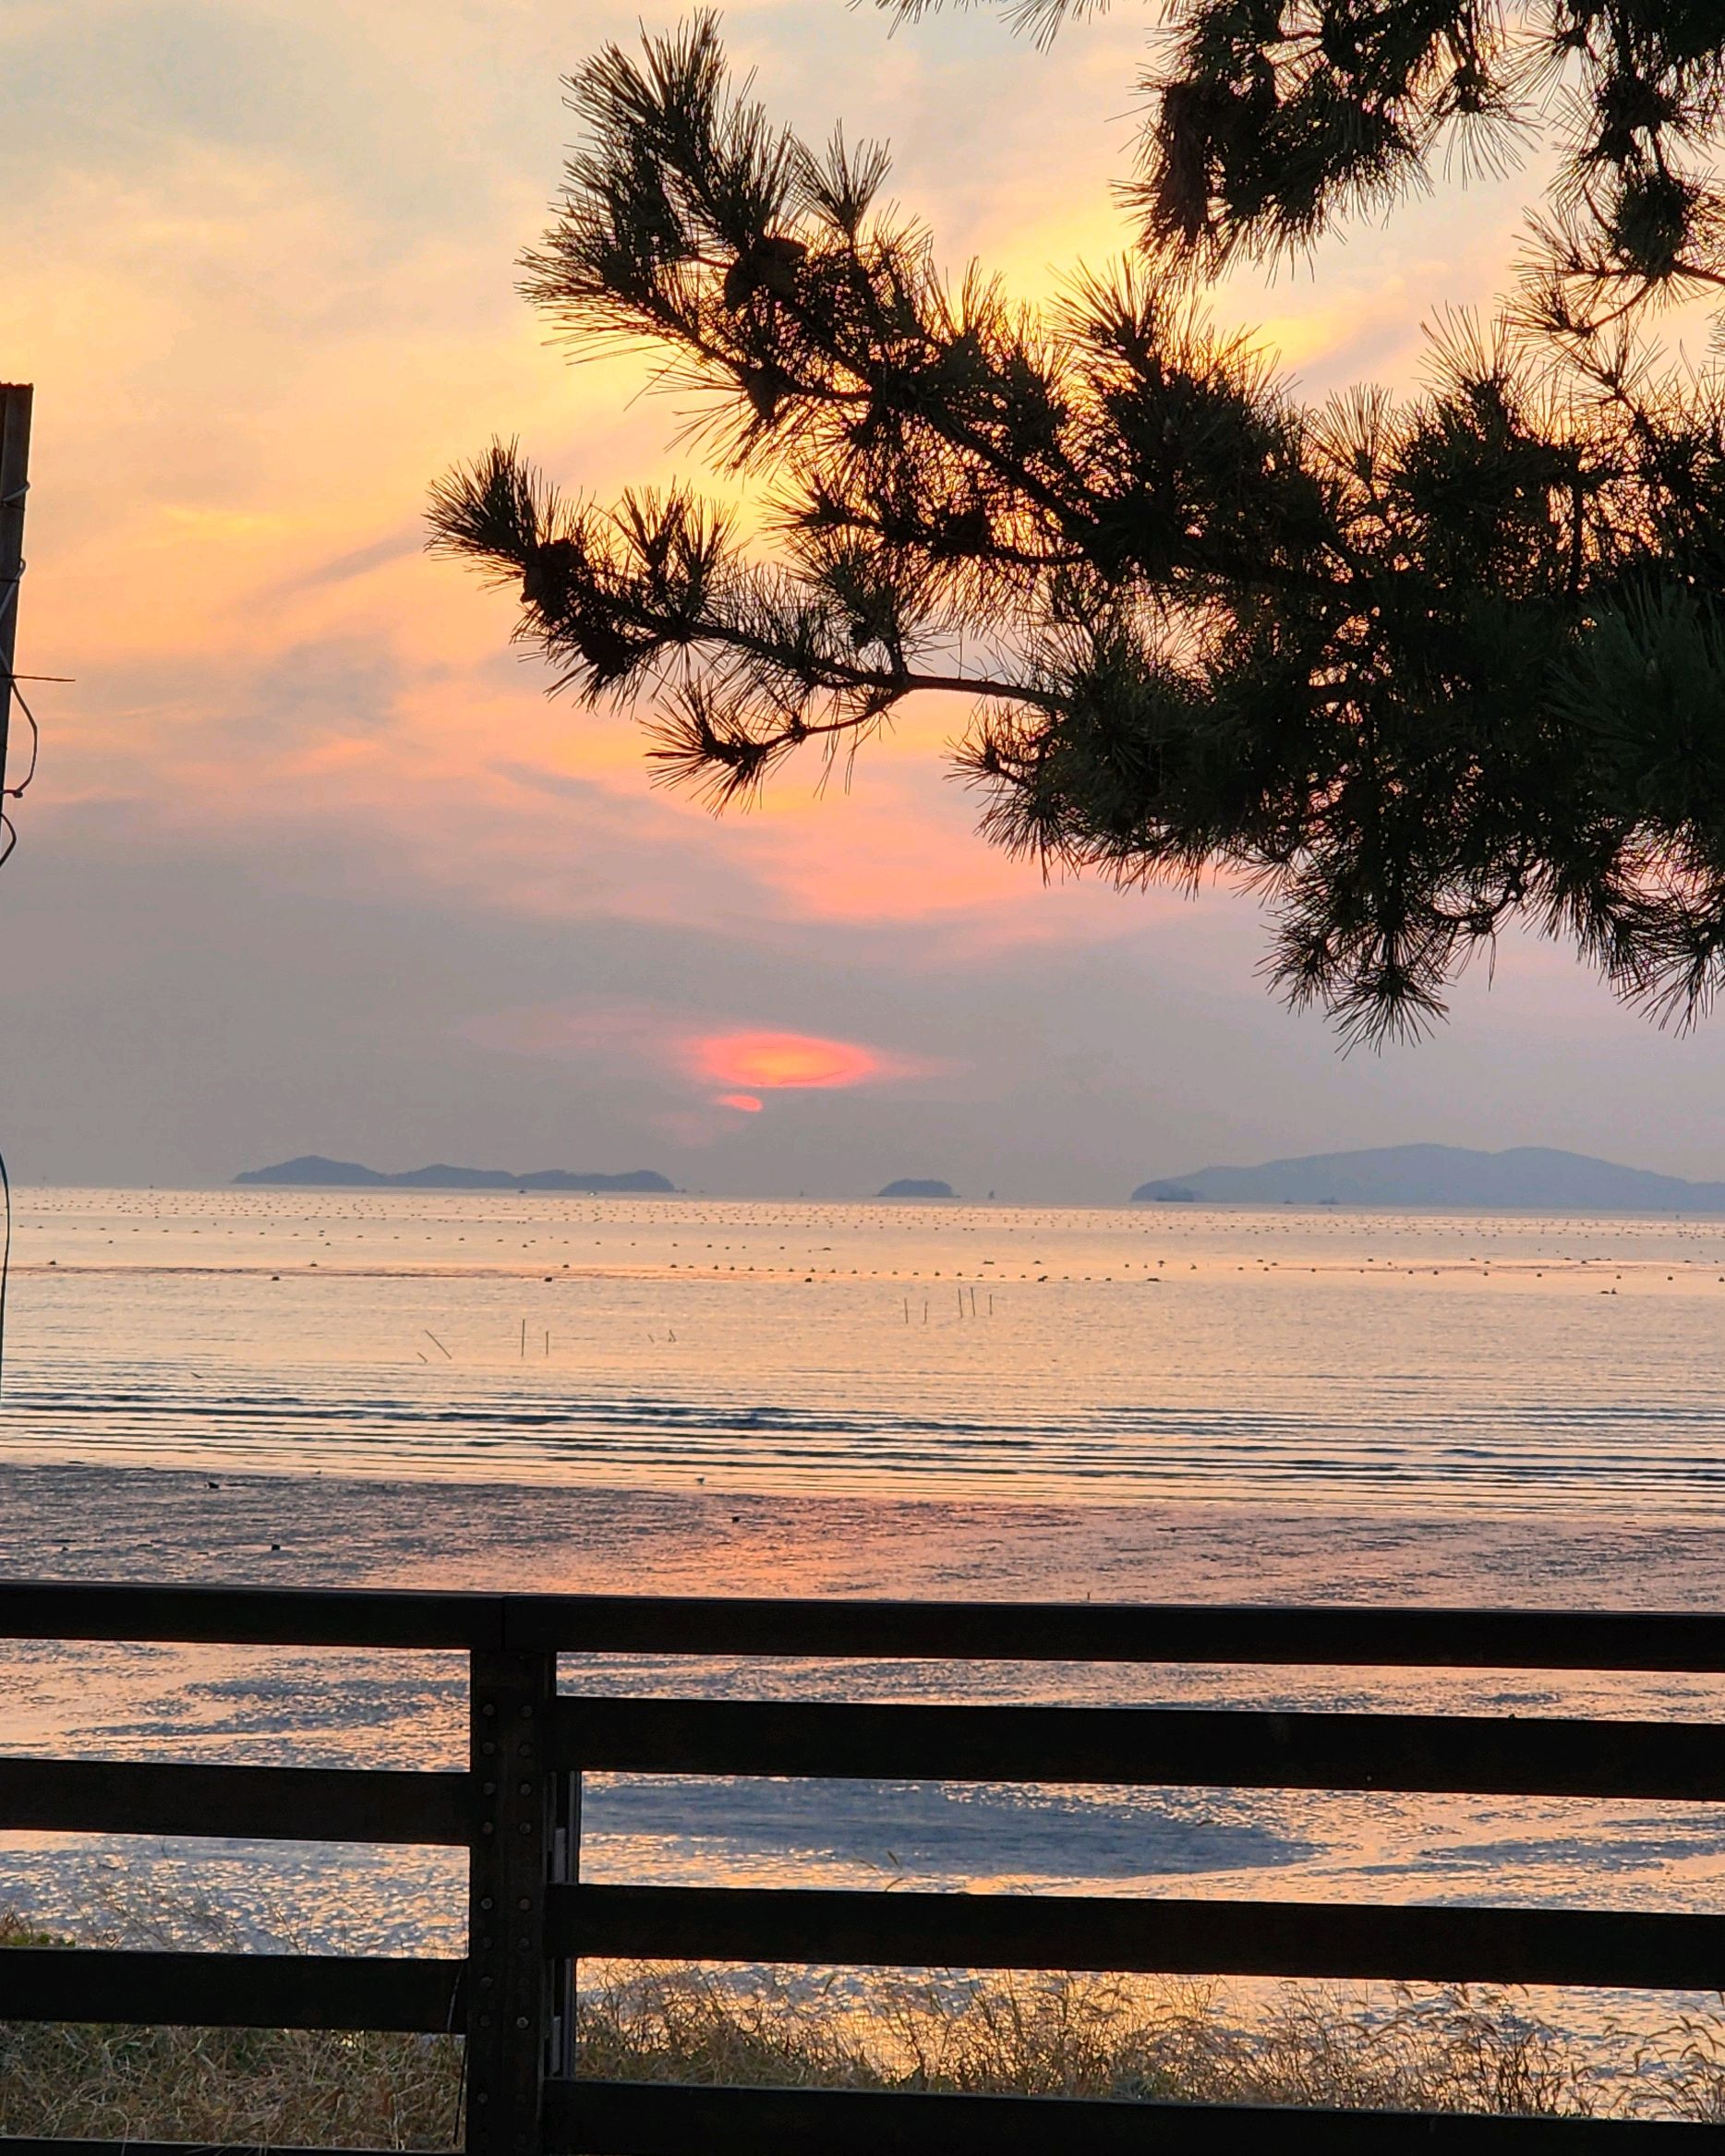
x: 745, y: 1061
x: 776, y: 1061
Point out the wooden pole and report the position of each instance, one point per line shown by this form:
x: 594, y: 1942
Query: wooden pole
x: 510, y: 1994
x: 15, y: 409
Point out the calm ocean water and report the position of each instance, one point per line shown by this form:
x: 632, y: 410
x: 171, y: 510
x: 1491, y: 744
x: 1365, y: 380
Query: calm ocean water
x: 549, y: 1390
x: 1367, y: 1359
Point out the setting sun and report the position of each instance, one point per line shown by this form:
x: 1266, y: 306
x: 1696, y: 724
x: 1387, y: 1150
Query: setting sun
x: 774, y: 1062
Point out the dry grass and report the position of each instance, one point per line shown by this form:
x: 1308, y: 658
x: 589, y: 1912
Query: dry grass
x: 1446, y: 2050
x: 1091, y: 2036
x: 248, y: 2085
x: 1453, y: 2048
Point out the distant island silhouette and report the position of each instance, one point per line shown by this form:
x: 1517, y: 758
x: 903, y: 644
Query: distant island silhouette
x: 1527, y: 1178
x: 312, y: 1170
x: 917, y: 1186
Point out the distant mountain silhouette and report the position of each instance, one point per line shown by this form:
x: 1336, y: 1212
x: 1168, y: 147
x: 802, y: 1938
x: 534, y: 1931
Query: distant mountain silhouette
x: 915, y: 1186
x: 1529, y: 1178
x: 311, y: 1171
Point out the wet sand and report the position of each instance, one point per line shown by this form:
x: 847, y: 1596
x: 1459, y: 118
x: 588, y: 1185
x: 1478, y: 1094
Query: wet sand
x: 254, y: 1530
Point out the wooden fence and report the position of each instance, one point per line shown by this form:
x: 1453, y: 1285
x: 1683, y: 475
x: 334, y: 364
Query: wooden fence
x: 532, y: 1918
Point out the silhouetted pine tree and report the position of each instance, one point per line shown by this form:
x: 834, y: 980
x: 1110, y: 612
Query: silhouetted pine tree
x: 1411, y: 670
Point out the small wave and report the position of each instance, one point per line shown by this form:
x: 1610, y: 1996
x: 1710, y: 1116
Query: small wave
x: 1669, y: 1454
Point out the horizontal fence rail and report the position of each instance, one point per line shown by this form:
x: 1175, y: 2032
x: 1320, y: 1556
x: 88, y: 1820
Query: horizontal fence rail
x: 287, y: 1803
x: 1456, y: 1754
x: 645, y: 2119
x: 1199, y: 1937
x: 230, y: 1991
x: 532, y: 1918
x: 1085, y: 1631
x: 247, y: 1617
x: 841, y: 1630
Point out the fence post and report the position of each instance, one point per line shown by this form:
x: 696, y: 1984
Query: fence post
x: 509, y: 1990
x: 564, y: 1869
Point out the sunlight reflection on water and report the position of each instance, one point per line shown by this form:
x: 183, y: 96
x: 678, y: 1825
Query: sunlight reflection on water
x: 1437, y: 1362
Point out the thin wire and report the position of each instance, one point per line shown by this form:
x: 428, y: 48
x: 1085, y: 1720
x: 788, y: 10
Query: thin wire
x: 14, y: 792
x: 9, y: 603
x: 8, y: 593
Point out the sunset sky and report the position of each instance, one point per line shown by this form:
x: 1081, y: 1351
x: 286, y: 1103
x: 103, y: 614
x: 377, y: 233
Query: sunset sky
x: 314, y: 864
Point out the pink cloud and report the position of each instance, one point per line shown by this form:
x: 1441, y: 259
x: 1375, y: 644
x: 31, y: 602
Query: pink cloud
x: 743, y: 1061
x: 789, y: 1061
x: 779, y: 1062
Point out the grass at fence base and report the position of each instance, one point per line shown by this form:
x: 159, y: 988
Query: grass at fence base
x: 78, y: 2081
x: 1442, y: 2049
x: 1447, y: 2050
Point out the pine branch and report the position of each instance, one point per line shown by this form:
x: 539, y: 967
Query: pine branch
x: 1411, y: 673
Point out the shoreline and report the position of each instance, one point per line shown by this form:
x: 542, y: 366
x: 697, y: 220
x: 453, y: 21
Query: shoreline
x: 83, y: 1521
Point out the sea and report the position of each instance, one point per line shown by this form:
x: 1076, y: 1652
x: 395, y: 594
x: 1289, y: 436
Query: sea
x: 1165, y: 1403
